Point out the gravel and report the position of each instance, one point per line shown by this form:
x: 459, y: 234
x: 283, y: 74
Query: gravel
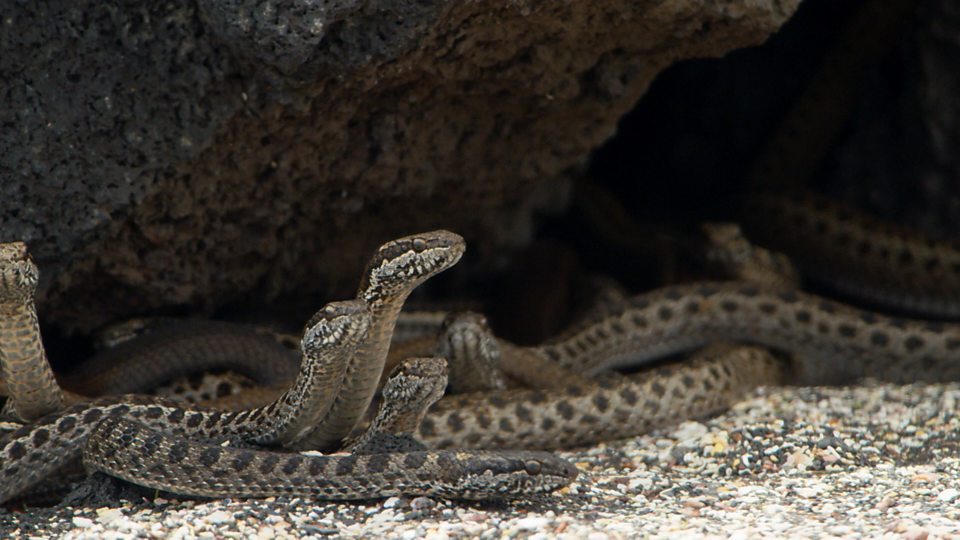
x: 874, y: 460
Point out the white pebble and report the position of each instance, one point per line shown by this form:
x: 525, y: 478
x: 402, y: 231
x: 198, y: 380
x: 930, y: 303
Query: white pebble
x: 531, y: 523
x: 948, y: 495
x: 108, y: 516
x: 219, y: 517
x: 82, y: 522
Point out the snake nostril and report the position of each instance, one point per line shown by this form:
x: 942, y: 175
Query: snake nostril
x: 532, y: 467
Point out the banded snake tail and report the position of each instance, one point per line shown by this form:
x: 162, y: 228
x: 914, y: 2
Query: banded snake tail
x: 119, y: 445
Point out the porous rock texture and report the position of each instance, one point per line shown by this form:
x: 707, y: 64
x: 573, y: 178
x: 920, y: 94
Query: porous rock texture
x: 172, y: 153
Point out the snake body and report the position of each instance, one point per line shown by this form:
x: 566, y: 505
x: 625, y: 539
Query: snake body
x: 119, y: 446
x: 835, y: 343
x: 610, y: 408
x: 859, y: 256
x: 170, y: 348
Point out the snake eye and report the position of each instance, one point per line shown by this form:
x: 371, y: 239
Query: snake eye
x: 532, y: 467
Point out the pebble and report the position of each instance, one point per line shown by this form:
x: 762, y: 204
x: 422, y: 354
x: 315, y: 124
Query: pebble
x: 948, y: 495
x: 218, y: 518
x: 82, y: 522
x: 531, y: 523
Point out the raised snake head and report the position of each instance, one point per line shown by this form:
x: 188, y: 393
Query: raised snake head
x: 400, y: 265
x: 18, y: 273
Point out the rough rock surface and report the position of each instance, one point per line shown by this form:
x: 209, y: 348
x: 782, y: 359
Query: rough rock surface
x: 193, y: 153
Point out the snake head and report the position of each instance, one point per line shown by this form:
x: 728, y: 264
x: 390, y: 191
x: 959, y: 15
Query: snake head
x: 472, y: 352
x: 417, y: 382
x: 505, y: 474
x: 467, y: 335
x: 400, y: 265
x: 18, y: 273
x: 336, y: 325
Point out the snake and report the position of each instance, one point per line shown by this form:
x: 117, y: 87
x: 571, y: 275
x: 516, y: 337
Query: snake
x: 857, y: 256
x: 828, y: 342
x: 30, y: 383
x: 145, y: 438
x: 391, y: 461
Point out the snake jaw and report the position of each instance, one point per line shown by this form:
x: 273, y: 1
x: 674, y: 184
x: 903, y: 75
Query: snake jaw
x: 401, y: 265
x: 18, y: 273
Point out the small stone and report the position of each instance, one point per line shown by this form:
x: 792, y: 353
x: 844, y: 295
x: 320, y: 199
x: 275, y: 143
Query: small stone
x: 534, y: 523
x: 392, y: 502
x: 107, y: 516
x: 219, y: 517
x: 420, y: 504
x: 82, y: 522
x: 948, y: 495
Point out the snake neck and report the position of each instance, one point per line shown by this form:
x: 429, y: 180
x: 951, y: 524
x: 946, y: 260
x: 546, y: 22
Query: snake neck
x: 33, y: 390
x: 294, y: 415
